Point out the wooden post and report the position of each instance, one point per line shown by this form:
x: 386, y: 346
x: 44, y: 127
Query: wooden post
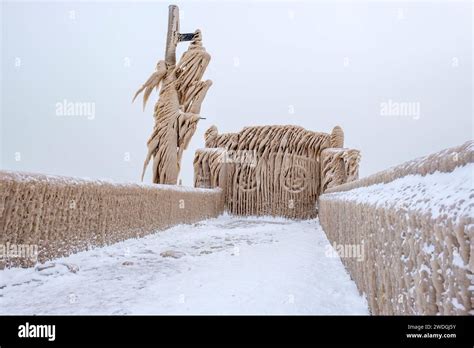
x: 173, y: 33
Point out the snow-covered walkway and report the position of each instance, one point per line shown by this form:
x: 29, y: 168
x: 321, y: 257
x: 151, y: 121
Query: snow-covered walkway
x: 228, y: 265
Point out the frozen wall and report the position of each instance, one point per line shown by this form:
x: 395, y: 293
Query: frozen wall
x: 413, y: 227
x: 61, y: 215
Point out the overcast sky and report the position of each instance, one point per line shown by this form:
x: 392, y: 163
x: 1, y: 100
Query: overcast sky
x: 316, y: 65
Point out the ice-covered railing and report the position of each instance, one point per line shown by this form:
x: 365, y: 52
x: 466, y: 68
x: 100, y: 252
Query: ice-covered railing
x: 43, y: 216
x: 414, y: 225
x: 442, y: 161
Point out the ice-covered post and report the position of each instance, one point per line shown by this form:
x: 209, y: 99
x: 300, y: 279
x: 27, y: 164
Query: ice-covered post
x: 177, y: 110
x: 174, y: 37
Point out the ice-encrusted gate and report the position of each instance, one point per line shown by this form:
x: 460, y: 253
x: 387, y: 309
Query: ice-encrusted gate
x: 274, y: 170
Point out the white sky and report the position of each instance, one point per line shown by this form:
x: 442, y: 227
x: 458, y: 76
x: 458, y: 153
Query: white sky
x: 329, y: 62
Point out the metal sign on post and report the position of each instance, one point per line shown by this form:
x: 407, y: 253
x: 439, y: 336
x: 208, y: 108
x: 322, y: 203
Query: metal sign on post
x: 174, y: 36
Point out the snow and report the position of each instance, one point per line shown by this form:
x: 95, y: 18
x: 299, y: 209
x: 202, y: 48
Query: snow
x: 428, y: 249
x: 227, y: 265
x: 458, y: 305
x: 457, y: 260
x: 436, y: 194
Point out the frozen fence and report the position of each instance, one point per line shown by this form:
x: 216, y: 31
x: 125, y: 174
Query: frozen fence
x: 43, y: 217
x: 414, y: 224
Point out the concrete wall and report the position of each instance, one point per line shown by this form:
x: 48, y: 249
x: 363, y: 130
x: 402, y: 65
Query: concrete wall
x: 419, y: 256
x: 63, y: 215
